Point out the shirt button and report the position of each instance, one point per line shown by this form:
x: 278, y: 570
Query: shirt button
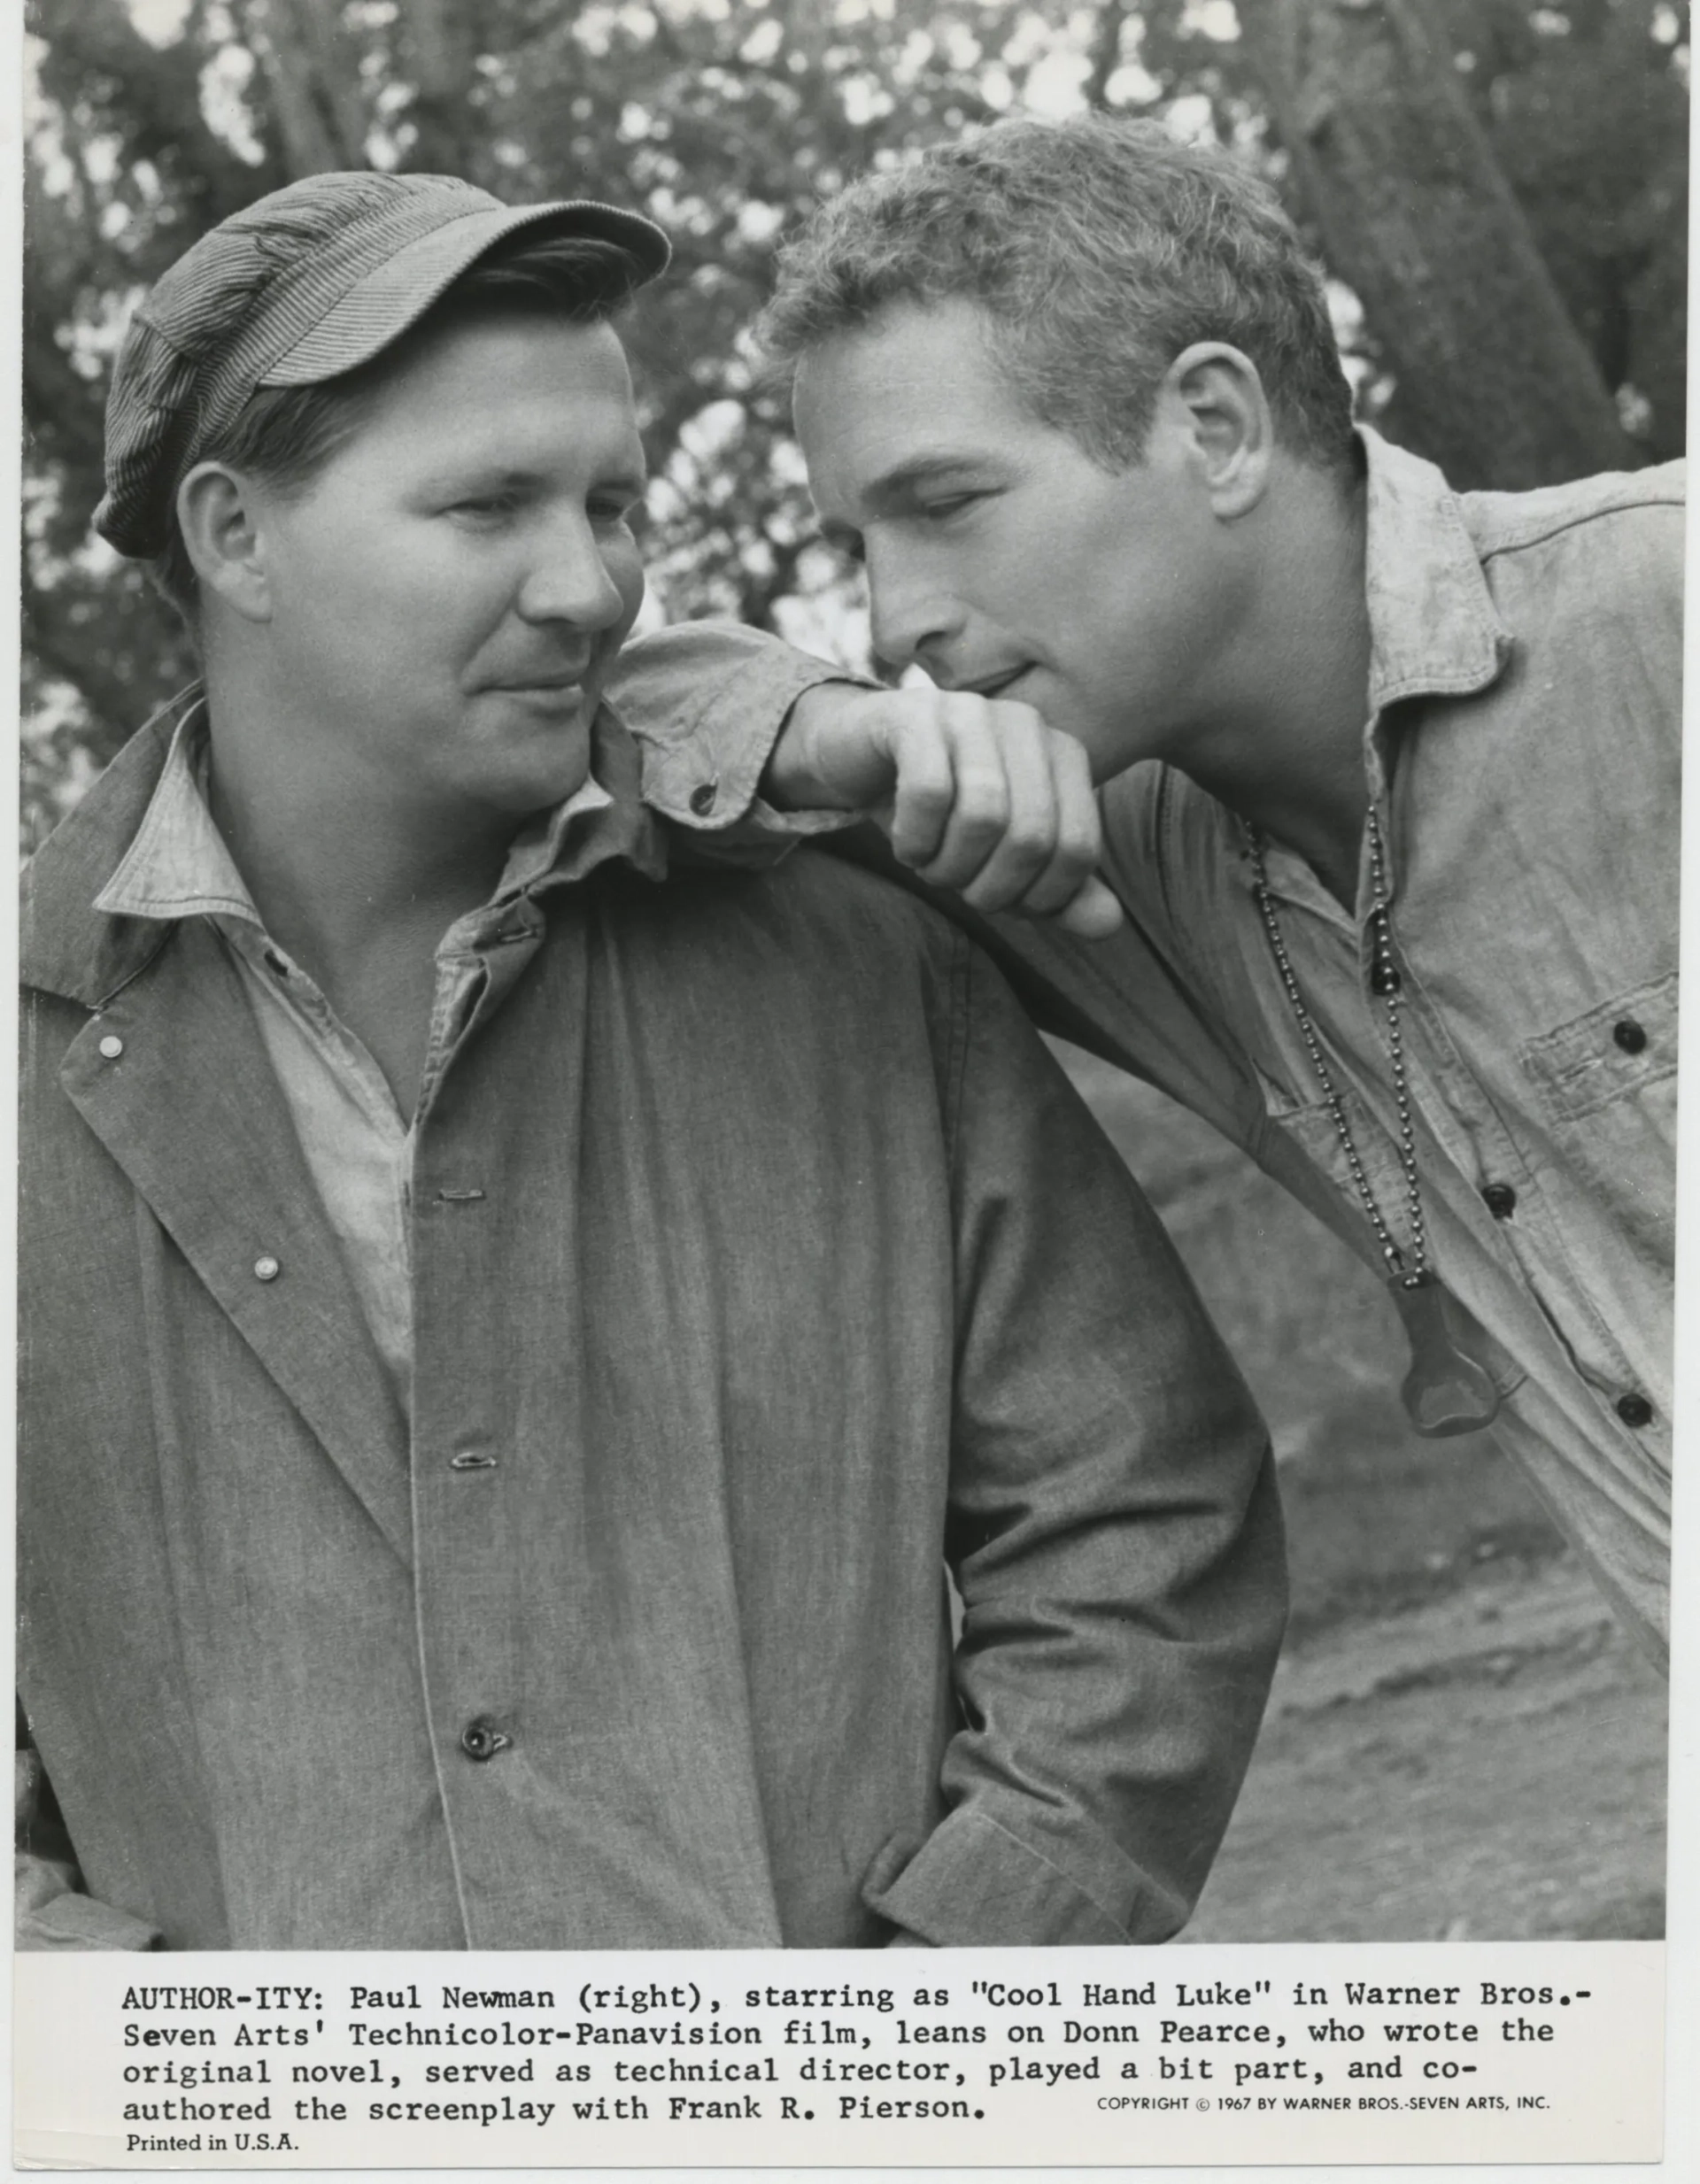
x: 472, y: 1460
x: 111, y: 1046
x: 702, y: 799
x: 482, y: 1740
x: 266, y: 1269
x: 1634, y: 1410
x: 1500, y: 1200
x: 1629, y: 1036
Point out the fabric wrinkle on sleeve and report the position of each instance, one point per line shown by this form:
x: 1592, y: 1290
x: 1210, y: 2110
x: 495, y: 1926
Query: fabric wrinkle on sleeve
x: 707, y: 702
x: 1115, y: 1532
x: 51, y: 1911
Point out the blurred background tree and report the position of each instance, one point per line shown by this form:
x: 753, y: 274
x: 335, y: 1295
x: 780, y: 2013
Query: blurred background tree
x: 1501, y: 186
x: 1498, y: 190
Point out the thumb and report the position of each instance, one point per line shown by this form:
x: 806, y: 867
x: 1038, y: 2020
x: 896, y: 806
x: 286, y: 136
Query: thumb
x: 1095, y: 914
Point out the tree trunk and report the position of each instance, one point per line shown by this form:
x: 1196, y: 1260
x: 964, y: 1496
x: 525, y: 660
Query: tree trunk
x: 309, y: 76
x: 1494, y: 381
x: 440, y: 41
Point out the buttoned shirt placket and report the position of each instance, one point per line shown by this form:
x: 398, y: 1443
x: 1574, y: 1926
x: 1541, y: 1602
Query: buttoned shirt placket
x: 358, y: 1145
x: 373, y: 1168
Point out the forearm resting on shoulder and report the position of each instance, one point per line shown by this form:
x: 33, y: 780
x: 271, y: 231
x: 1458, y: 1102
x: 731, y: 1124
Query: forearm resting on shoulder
x: 747, y: 742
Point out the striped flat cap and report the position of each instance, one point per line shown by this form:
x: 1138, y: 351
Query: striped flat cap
x: 304, y: 284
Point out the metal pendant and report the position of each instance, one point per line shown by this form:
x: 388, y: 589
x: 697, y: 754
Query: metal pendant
x: 1446, y: 1391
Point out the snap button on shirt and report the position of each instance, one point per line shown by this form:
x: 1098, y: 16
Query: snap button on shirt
x: 702, y: 798
x: 111, y: 1046
x: 1500, y: 1200
x: 266, y: 1269
x: 1630, y: 1035
x: 481, y: 1741
x: 1634, y: 1410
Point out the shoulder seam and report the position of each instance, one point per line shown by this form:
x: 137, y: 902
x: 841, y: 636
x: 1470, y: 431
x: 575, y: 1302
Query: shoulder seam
x: 1558, y: 524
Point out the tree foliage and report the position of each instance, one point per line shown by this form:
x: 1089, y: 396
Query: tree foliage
x: 726, y: 119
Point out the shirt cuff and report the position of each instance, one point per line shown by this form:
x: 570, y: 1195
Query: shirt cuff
x: 71, y: 1921
x: 972, y: 1885
x: 706, y: 704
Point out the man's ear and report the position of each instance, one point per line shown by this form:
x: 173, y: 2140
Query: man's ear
x: 217, y: 514
x: 1213, y: 396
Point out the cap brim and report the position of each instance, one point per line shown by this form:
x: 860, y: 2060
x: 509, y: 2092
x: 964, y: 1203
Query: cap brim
x: 386, y: 302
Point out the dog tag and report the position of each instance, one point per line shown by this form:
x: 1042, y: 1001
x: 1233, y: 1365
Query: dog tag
x: 1446, y: 1391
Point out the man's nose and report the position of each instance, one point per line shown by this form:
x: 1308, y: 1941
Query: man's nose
x: 913, y: 617
x: 570, y: 580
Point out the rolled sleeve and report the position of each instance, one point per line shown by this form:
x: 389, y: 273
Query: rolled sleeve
x: 973, y: 1884
x: 51, y: 1914
x: 50, y: 1910
x: 707, y: 702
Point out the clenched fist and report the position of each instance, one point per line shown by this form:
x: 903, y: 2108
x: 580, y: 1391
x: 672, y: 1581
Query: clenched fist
x: 977, y: 794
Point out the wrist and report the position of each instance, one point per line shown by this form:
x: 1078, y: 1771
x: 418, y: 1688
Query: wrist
x: 799, y: 774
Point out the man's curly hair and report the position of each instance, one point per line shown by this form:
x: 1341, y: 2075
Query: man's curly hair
x: 1099, y: 248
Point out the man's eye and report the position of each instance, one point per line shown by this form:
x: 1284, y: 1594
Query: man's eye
x: 947, y: 504
x: 485, y: 507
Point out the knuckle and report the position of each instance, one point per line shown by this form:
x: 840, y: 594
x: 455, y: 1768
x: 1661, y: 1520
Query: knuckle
x: 983, y: 796
x: 1077, y: 843
x: 925, y: 792
x: 916, y: 735
x: 1020, y: 728
x: 1069, y: 751
x: 984, y: 893
x: 962, y: 716
x: 1029, y: 841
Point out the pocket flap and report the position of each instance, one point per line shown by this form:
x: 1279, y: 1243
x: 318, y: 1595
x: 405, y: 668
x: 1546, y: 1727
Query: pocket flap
x: 1616, y: 1048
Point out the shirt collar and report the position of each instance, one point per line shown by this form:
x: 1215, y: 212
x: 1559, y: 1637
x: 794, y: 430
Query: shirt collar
x: 1434, y: 627
x: 178, y: 865
x: 1435, y: 631
x: 68, y: 946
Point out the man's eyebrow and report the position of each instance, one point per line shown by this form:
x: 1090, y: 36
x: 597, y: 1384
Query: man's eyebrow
x: 626, y: 477
x: 893, y: 486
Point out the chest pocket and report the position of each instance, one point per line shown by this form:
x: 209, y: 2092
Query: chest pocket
x: 1307, y: 1127
x: 1617, y: 1051
x: 1605, y: 1085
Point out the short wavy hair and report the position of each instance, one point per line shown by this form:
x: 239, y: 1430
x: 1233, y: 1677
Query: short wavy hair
x: 1100, y: 248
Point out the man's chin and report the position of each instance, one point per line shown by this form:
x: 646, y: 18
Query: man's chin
x: 538, y: 756
x: 533, y: 795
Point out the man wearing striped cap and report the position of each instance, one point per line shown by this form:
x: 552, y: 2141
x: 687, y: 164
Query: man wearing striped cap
x: 513, y: 1333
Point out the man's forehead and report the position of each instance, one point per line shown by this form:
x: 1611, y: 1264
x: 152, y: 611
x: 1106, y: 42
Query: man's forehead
x: 914, y: 390
x: 949, y: 345
x: 488, y: 381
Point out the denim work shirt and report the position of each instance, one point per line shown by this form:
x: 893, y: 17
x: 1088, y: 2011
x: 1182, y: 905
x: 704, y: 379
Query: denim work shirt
x: 760, y: 1260
x: 1522, y: 753
x: 358, y: 1145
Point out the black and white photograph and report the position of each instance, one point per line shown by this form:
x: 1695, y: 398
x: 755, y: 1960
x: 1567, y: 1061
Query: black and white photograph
x: 849, y: 953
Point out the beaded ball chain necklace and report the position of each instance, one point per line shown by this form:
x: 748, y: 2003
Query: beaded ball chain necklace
x: 1446, y: 1391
